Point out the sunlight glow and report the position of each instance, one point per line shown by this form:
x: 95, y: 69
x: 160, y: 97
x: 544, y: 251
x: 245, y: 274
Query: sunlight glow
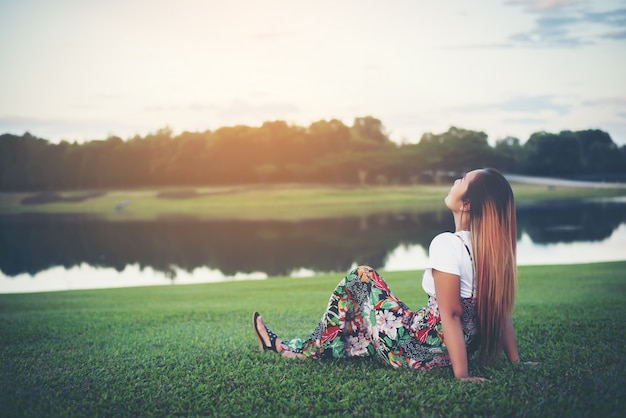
x: 84, y: 70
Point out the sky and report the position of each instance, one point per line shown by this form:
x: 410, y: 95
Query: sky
x: 81, y: 70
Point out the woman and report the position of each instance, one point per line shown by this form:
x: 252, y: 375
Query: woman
x: 470, y: 280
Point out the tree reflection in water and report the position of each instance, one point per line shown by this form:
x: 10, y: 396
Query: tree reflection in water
x: 34, y: 243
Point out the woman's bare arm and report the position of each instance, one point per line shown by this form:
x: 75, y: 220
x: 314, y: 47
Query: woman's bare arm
x: 448, y: 290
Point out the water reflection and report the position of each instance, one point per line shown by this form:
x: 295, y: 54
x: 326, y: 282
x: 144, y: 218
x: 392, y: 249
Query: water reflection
x: 33, y: 243
x: 184, y: 249
x: 571, y: 221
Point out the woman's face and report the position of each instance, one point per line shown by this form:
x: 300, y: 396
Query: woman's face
x: 454, y: 199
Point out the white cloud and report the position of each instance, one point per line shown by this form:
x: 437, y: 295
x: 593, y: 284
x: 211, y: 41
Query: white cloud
x: 544, y: 5
x: 618, y: 101
x: 562, y: 23
x: 616, y: 34
x: 524, y: 105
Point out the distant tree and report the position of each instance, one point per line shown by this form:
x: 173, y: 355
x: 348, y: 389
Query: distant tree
x: 12, y: 156
x: 326, y: 151
x: 21, y: 162
x: 508, y: 152
x: 413, y: 162
x: 279, y: 144
x: 552, y: 154
x: 580, y: 153
x: 327, y: 137
x: 369, y: 129
x: 455, y: 151
x: 186, y: 164
x: 622, y: 160
x: 598, y: 153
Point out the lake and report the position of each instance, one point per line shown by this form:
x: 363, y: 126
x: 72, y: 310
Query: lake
x: 61, y: 252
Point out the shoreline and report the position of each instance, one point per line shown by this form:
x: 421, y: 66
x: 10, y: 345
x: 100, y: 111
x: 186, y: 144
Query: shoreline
x: 187, y: 279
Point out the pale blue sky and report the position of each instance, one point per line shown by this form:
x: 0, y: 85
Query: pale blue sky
x: 86, y: 69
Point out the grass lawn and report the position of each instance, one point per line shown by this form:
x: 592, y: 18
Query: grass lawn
x: 281, y: 201
x: 189, y: 350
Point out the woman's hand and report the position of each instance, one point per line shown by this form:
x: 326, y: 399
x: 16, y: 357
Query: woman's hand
x: 474, y: 379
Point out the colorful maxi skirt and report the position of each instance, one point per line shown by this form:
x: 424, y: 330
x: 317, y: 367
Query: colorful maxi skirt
x: 364, y: 318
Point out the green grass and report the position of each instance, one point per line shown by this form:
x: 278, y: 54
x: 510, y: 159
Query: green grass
x: 189, y: 350
x: 283, y: 201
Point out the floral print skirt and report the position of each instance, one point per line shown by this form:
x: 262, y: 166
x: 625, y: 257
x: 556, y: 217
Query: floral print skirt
x: 364, y: 318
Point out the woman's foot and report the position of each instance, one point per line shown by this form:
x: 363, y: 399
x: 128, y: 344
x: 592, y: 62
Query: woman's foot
x: 291, y: 354
x: 268, y: 341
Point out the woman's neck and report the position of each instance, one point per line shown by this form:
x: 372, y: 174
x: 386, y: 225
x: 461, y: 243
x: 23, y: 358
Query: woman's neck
x: 461, y: 221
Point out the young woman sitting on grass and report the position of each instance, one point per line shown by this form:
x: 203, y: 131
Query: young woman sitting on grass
x: 470, y: 281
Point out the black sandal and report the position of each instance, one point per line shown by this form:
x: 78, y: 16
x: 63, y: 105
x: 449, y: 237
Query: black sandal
x: 273, y: 337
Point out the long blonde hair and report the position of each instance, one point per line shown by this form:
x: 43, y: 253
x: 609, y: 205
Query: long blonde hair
x: 493, y: 225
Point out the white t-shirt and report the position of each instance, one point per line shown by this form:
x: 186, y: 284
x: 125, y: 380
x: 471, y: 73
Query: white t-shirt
x: 448, y: 254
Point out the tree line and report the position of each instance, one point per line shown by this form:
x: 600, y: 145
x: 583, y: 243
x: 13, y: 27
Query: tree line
x: 276, y: 152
